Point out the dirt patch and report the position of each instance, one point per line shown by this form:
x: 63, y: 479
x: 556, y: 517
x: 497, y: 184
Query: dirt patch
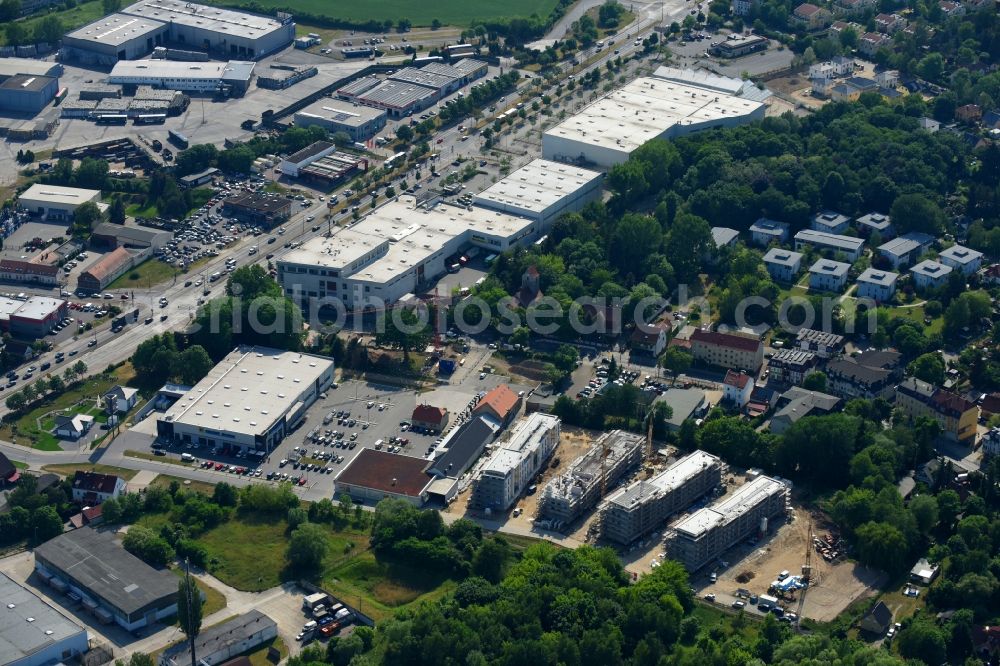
x: 833, y: 585
x: 531, y: 369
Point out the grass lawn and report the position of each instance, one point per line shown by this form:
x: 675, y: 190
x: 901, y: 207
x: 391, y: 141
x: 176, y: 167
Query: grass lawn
x: 18, y: 464
x: 199, y: 197
x: 448, y: 12
x: 379, y: 589
x: 145, y: 275
x: 69, y: 469
x: 82, y: 14
x: 259, y: 656
x: 214, y: 600
x: 164, y: 480
x: 916, y: 315
x: 26, y: 427
x: 249, y: 553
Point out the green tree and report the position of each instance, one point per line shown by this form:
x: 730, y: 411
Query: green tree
x: 923, y: 641
x: 882, y: 546
x: 928, y: 367
x: 189, y: 607
x: 111, y: 6
x: 192, y: 365
x: 490, y: 558
x: 49, y: 29
x: 148, y: 546
x: 925, y: 511
x: 815, y: 381
x: 45, y: 524
x: 10, y: 10
x: 16, y: 33
x: 403, y: 328
x: 307, y: 548
x: 117, y: 212
x: 677, y: 360
x: 688, y: 241
x: 136, y: 659
x: 15, y: 401
x: 917, y: 213
x: 404, y: 133
x: 85, y: 217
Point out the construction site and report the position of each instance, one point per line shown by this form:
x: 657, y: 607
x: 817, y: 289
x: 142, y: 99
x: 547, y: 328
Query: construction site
x: 578, y: 490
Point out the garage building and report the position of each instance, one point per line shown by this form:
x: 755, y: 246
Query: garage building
x: 267, y: 210
x: 113, y: 38
x: 110, y: 582
x: 542, y: 190
x: 55, y: 202
x: 249, y: 401
x: 670, y: 104
x: 111, y: 235
x: 33, y: 633
x: 29, y: 67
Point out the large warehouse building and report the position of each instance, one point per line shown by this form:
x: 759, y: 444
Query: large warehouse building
x: 542, y: 190
x: 24, y: 93
x: 55, y: 202
x: 114, y: 585
x: 249, y: 401
x: 395, y: 250
x: 230, y: 78
x: 33, y: 633
x: 359, y: 122
x: 137, y: 29
x: 669, y: 104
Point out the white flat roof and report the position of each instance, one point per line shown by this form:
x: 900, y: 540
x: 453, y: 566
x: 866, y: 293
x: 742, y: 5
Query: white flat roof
x: 39, y: 307
x: 524, y: 440
x: 339, y: 111
x: 645, y: 109
x: 181, y: 69
x: 57, y: 194
x: 730, y: 507
x: 248, y: 391
x: 830, y: 240
x: 670, y: 479
x: 28, y: 624
x: 204, y: 17
x: 413, y: 235
x: 538, y: 185
x: 116, y: 29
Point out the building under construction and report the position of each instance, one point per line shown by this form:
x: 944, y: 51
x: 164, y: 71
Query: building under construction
x: 578, y: 489
x: 638, y: 508
x: 707, y: 533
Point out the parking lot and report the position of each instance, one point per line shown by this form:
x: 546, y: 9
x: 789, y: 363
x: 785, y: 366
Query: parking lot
x: 313, y: 462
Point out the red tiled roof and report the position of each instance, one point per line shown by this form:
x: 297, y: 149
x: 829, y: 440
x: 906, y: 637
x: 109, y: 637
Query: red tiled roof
x: 388, y: 472
x: 92, y: 512
x: 429, y: 414
x: 110, y: 263
x: 94, y: 482
x: 991, y: 403
x: 806, y: 9
x: 27, y: 268
x: 726, y: 340
x: 736, y: 379
x: 951, y: 402
x: 501, y: 399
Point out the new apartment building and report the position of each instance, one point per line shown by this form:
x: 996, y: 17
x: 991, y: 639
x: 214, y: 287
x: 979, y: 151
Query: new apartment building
x: 707, y: 533
x: 514, y: 463
x: 638, y: 508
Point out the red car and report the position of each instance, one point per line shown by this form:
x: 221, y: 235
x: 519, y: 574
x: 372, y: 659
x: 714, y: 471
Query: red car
x: 218, y: 467
x: 302, y: 481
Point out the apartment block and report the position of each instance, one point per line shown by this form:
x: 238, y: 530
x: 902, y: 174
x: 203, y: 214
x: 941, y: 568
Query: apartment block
x: 727, y: 350
x: 516, y: 460
x: 578, y: 489
x: 707, y: 533
x: 640, y: 507
x: 956, y: 415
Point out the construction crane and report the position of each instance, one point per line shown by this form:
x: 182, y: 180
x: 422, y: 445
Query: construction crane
x: 806, y: 570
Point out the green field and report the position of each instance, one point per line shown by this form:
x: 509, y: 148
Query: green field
x: 448, y: 12
x: 379, y: 589
x: 82, y: 14
x: 69, y: 469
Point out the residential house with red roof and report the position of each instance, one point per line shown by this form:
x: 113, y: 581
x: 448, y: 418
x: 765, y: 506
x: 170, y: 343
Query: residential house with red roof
x: 430, y: 417
x: 810, y: 16
x: 92, y: 488
x: 727, y: 350
x: 957, y: 416
x: 736, y: 388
